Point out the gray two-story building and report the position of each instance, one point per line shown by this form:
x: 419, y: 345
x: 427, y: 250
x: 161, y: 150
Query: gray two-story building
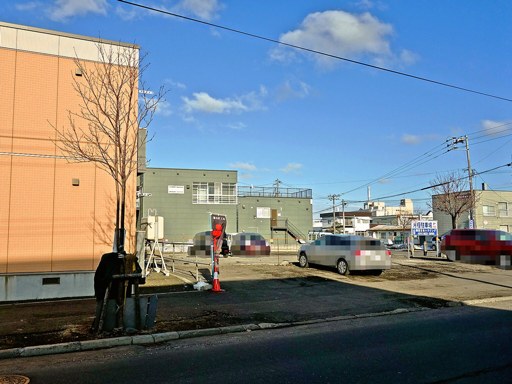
x: 185, y: 198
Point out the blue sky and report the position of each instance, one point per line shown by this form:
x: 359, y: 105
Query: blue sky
x: 313, y: 121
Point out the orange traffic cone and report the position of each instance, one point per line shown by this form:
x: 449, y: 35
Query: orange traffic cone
x: 216, y: 282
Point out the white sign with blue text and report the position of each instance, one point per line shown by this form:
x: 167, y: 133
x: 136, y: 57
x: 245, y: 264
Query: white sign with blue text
x: 424, y: 228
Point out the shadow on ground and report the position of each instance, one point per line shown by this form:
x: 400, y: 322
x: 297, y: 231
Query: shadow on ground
x: 252, y: 294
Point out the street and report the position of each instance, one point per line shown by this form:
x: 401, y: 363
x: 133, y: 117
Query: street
x: 466, y: 344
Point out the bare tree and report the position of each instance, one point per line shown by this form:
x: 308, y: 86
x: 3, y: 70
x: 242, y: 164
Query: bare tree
x: 404, y: 221
x: 114, y: 105
x: 450, y: 195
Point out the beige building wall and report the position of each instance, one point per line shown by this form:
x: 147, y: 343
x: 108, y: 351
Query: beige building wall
x: 48, y: 223
x: 493, y: 211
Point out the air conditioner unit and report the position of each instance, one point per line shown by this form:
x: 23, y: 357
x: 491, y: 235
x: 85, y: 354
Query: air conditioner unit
x: 154, y: 227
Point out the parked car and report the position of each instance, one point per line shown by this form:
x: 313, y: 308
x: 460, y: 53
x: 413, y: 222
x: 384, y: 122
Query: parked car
x: 346, y: 253
x: 478, y: 246
x: 202, y: 242
x: 249, y: 244
x: 398, y: 246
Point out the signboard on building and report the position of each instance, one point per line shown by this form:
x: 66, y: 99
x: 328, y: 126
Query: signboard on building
x: 218, y: 229
x: 263, y: 212
x: 424, y: 228
x: 176, y: 189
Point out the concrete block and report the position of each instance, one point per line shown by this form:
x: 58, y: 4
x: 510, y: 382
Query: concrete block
x: 166, y: 336
x: 40, y: 350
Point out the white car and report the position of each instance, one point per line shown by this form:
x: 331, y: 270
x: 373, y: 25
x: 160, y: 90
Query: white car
x: 346, y: 253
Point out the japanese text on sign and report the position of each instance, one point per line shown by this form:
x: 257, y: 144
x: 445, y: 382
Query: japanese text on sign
x: 424, y: 228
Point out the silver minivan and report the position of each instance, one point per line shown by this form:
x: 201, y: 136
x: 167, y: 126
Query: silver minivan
x: 346, y: 253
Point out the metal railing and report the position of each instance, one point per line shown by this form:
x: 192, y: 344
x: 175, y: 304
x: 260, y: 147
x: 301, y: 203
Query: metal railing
x: 244, y: 191
x: 290, y: 228
x: 164, y: 256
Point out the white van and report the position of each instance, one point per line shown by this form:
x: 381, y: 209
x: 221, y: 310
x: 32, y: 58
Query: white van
x: 346, y: 253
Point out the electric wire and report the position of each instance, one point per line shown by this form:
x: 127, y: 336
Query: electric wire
x: 252, y: 35
x: 382, y: 198
x: 310, y: 50
x: 428, y: 156
x: 424, y: 158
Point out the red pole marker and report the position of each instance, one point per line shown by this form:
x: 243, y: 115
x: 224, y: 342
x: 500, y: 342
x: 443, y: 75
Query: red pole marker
x: 216, y: 234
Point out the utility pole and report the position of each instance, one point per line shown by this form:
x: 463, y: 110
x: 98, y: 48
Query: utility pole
x: 333, y: 198
x: 464, y: 139
x: 343, y: 209
x: 277, y: 183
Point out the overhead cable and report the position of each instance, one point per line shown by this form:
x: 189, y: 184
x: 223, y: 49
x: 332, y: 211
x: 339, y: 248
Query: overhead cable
x: 314, y: 51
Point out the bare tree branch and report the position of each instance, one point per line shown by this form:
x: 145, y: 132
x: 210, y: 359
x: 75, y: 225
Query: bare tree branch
x: 104, y: 129
x: 450, y: 195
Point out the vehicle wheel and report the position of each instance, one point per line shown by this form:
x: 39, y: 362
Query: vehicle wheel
x: 303, y: 261
x: 504, y: 262
x: 450, y: 254
x: 342, y: 267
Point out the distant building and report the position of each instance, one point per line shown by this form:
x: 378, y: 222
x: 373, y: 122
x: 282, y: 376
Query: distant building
x: 186, y: 197
x: 390, y: 234
x: 379, y: 208
x: 493, y: 211
x: 350, y: 222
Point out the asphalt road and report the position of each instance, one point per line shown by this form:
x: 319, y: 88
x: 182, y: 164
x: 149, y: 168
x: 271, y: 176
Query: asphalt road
x: 465, y: 344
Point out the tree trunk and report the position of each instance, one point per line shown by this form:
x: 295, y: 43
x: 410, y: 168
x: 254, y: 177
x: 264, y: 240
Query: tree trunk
x: 454, y: 221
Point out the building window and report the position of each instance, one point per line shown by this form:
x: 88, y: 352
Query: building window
x: 503, y: 210
x: 489, y: 210
x: 214, y: 193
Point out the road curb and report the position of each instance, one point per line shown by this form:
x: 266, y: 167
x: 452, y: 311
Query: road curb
x: 485, y: 301
x: 158, y: 338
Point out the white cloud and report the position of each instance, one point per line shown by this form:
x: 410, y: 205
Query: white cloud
x: 245, y: 176
x: 496, y: 127
x: 28, y: 6
x: 254, y: 99
x: 418, y: 139
x: 343, y: 34
x: 367, y: 4
x: 243, y: 166
x: 292, y: 167
x: 175, y: 84
x: 62, y: 10
x: 407, y: 57
x: 163, y: 108
x: 126, y: 13
x: 238, y: 126
x: 411, y: 139
x: 203, y: 102
x: 292, y: 89
x: 204, y: 9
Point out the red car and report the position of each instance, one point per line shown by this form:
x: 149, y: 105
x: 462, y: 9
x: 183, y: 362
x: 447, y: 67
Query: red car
x: 478, y: 246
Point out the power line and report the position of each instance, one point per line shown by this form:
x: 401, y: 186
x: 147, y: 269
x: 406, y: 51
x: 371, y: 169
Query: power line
x: 428, y: 156
x: 310, y: 50
x: 424, y: 158
x: 491, y: 130
x: 382, y: 198
x: 439, y: 184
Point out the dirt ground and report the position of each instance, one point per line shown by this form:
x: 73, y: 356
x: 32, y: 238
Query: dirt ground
x: 70, y: 320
